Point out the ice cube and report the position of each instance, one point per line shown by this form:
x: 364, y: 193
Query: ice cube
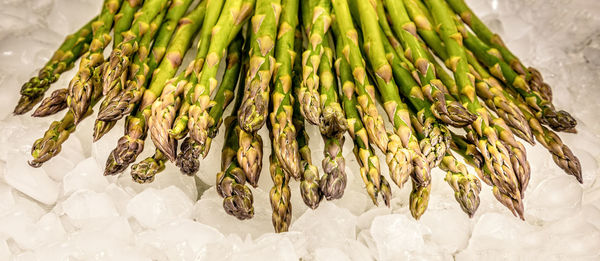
x: 179, y: 240
x: 450, y: 228
x: 268, y: 247
x: 32, y: 181
x: 170, y: 176
x: 326, y: 226
x: 153, y: 207
x: 85, y: 205
x: 86, y: 175
x: 554, y: 198
x: 328, y: 253
x: 388, y: 230
x: 4, y: 250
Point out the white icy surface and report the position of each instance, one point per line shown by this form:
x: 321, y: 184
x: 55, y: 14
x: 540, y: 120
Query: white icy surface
x: 66, y: 210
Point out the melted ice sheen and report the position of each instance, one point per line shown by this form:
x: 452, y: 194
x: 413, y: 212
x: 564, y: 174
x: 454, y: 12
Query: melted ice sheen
x: 68, y: 210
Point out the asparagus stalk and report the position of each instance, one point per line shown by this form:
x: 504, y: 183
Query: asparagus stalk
x: 141, y: 70
x: 309, y: 179
x: 249, y: 155
x: 187, y: 160
x: 465, y: 185
x: 237, y: 197
x: 81, y: 87
x: 280, y: 195
x: 101, y: 127
x: 170, y: 103
x: 396, y: 109
x: 418, y: 55
x: 544, y: 110
x: 63, y: 59
x: 53, y: 104
x: 145, y: 170
x: 124, y: 19
x: 254, y: 109
x: 289, y: 40
x: 124, y: 52
x: 533, y: 76
x: 333, y: 181
x: 235, y: 13
x: 332, y: 120
x: 476, y: 159
x: 483, y: 132
x: 132, y: 143
x: 365, y: 91
x: 308, y: 93
x: 366, y: 158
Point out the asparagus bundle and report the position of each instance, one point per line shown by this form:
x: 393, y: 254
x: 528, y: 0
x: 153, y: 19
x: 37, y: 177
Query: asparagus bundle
x: 385, y: 54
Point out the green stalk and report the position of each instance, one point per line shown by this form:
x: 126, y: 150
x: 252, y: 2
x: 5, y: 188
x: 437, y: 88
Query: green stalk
x: 308, y: 93
x: 101, y: 126
x: 140, y: 72
x: 63, y: 59
x: 132, y: 143
x: 365, y: 91
x: 396, y: 109
x: 544, y: 110
x: 123, y: 53
x: 88, y: 77
x: 280, y: 196
x: 255, y: 105
x: 124, y: 18
x: 332, y: 122
x: 235, y: 13
x: 289, y: 39
x: 187, y: 160
x: 366, y: 158
x: 496, y: 155
x: 237, y: 197
x: 431, y: 87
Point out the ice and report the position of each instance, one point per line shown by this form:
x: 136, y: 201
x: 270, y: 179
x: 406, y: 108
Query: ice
x: 67, y: 210
x: 388, y: 230
x: 554, y: 198
x: 154, y: 207
x: 31, y: 181
x: 179, y: 240
x: 86, y: 205
x: 84, y: 176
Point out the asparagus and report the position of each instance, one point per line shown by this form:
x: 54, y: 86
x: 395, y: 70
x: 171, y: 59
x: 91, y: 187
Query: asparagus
x: 366, y: 158
x: 465, y: 185
x: 125, y: 101
x: 476, y: 159
x: 289, y: 40
x: 309, y: 179
x: 308, y: 93
x: 88, y: 76
x: 396, y: 109
x: 332, y: 121
x: 124, y: 18
x: 333, y: 181
x: 132, y: 143
x: 533, y: 76
x: 170, y: 103
x: 280, y: 196
x: 249, y: 155
x: 187, y: 160
x: 365, y: 91
x: 484, y: 134
x: 544, y: 110
x: 50, y: 144
x: 63, y: 59
x: 237, y: 197
x: 451, y: 111
x: 145, y: 170
x: 53, y: 104
x: 435, y: 140
x: 253, y: 112
x: 123, y: 53
x: 235, y: 13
